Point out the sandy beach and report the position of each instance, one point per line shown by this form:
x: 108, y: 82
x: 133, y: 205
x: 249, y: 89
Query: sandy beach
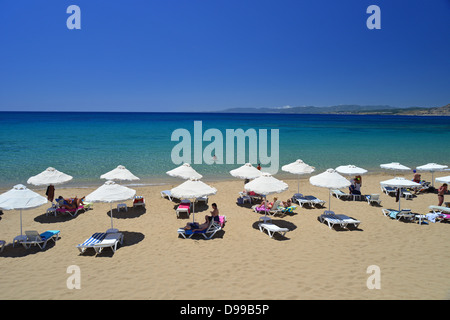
x: 240, y: 262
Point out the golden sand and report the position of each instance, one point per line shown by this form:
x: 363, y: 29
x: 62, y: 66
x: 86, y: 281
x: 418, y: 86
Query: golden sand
x: 240, y: 262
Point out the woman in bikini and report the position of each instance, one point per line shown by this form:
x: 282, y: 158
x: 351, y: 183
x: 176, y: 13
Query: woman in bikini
x: 441, y: 191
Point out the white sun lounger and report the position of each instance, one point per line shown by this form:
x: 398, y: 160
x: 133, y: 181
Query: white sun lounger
x: 439, y: 209
x: 373, y: 198
x: 272, y: 229
x: 348, y: 220
x: 166, y: 193
x: 331, y: 219
x: 388, y: 190
x: 34, y: 238
x: 395, y: 214
x: 302, y: 200
x: 339, y: 194
x: 96, y: 238
x: 111, y: 240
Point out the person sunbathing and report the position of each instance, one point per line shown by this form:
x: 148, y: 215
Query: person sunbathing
x: 70, y: 203
x: 286, y: 203
x: 194, y: 226
x: 262, y: 206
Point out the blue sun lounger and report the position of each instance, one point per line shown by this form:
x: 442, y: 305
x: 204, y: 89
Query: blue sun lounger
x: 34, y: 238
x: 96, y: 238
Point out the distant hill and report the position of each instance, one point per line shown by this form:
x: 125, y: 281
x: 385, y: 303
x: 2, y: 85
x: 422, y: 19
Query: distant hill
x: 347, y: 109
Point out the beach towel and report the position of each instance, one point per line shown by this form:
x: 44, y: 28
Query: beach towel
x: 185, y: 206
x: 393, y: 214
x: 70, y: 210
x: 138, y: 199
x: 261, y: 208
x: 432, y: 217
x: 288, y: 209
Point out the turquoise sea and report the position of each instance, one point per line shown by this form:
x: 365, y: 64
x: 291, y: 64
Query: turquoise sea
x: 86, y: 145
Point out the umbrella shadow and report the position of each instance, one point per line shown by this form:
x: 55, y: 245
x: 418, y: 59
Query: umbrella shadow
x: 198, y: 236
x: 62, y: 217
x: 338, y: 228
x: 130, y: 238
x: 130, y: 213
x: 280, y: 223
x: 19, y: 251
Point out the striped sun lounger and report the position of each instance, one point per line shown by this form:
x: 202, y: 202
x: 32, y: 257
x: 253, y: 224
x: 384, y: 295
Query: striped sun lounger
x: 96, y: 238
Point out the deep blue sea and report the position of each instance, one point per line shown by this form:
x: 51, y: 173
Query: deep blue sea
x: 86, y: 145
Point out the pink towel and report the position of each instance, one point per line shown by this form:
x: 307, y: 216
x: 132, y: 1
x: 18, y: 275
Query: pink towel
x: 185, y: 206
x: 71, y: 210
x: 261, y: 208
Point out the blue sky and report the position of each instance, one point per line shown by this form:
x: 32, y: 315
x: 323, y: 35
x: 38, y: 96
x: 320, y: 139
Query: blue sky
x: 198, y: 55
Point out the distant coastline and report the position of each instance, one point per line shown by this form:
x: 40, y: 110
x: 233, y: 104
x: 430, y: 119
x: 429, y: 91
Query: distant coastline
x: 349, y: 110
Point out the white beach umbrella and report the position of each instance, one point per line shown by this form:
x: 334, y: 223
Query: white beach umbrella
x: 185, y: 171
x: 266, y: 184
x: 111, y: 192
x: 119, y: 173
x: 330, y: 179
x: 192, y: 189
x: 298, y: 167
x: 50, y: 176
x: 395, y: 166
x: 247, y: 171
x: 432, y: 167
x: 21, y: 198
x: 351, y: 170
x: 399, y: 182
x: 445, y: 179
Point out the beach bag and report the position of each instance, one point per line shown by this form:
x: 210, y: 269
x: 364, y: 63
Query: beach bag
x: 240, y: 200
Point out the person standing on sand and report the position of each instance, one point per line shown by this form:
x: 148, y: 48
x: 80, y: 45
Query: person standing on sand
x: 441, y: 191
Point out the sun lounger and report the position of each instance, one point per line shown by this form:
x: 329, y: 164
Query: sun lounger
x: 348, y: 220
x: 302, y: 200
x: 439, y: 209
x: 373, y: 198
x: 183, y: 208
x: 208, y: 233
x: 138, y: 201
x: 441, y: 213
x: 243, y: 197
x: 396, y: 214
x: 34, y: 238
x: 73, y: 211
x: 254, y: 196
x: 405, y: 193
x: 202, y: 199
x: 316, y: 201
x: 272, y: 229
x: 166, y: 193
x: 331, y: 219
x: 388, y: 190
x: 339, y: 194
x: 96, y: 238
x: 111, y: 240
